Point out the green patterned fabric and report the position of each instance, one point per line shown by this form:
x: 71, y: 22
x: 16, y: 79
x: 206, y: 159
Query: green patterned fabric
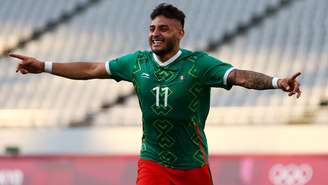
x: 174, y: 101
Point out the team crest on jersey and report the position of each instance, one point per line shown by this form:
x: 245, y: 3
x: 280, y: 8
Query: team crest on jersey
x: 182, y: 77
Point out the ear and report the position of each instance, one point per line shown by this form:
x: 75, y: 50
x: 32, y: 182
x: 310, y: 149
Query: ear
x: 181, y: 33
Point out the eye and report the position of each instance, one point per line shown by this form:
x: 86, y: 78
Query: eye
x: 151, y: 28
x: 164, y: 28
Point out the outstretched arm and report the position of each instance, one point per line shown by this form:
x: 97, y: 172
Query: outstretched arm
x: 259, y: 81
x: 73, y: 70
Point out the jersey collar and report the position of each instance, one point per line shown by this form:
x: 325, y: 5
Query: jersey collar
x: 169, y: 61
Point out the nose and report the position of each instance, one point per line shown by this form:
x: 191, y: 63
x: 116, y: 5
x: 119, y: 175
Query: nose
x: 155, y: 32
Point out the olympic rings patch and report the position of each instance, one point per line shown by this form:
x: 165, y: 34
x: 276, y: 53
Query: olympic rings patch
x: 291, y: 174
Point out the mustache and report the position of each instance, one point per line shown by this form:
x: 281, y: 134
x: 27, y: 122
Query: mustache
x: 156, y: 38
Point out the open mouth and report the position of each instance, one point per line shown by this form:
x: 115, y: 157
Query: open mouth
x: 157, y: 42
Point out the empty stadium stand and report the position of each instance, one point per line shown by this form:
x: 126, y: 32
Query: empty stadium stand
x: 294, y: 39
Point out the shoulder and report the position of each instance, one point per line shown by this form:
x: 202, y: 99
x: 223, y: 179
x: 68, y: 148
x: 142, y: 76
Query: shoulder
x: 189, y: 53
x: 131, y: 58
x: 143, y: 53
x: 200, y: 57
x: 204, y: 60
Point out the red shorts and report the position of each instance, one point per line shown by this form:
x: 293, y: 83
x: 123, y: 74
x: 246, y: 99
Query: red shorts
x: 152, y: 173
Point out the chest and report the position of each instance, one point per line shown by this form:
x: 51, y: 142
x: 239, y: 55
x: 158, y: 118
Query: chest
x: 163, y: 87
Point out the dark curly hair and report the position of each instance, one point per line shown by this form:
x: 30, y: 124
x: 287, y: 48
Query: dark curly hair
x: 168, y: 11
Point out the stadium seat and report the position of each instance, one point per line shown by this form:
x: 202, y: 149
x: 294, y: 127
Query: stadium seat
x: 293, y: 40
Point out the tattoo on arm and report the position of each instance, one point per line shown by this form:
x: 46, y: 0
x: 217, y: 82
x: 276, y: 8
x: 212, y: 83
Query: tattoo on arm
x: 250, y: 79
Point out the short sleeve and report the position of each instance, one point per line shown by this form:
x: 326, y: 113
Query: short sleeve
x: 121, y: 68
x: 215, y: 72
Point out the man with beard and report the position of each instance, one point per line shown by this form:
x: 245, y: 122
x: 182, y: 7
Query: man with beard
x: 173, y: 86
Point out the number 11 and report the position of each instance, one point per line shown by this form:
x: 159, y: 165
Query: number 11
x: 166, y: 93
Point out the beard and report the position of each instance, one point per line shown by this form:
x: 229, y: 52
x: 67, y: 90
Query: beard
x: 167, y: 48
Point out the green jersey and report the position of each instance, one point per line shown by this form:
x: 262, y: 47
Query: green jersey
x: 174, y: 100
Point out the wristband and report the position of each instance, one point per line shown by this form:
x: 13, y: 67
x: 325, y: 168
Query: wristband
x: 48, y: 67
x: 275, y: 82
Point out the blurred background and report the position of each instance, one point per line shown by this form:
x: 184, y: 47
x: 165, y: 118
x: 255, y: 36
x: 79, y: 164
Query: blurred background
x: 59, y: 131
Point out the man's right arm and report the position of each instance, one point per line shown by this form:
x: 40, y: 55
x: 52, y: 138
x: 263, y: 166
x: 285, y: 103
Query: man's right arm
x: 80, y: 70
x: 72, y: 70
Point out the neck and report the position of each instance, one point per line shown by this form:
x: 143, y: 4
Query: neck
x: 167, y: 56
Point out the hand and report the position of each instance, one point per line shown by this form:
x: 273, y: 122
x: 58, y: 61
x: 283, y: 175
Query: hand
x: 28, y: 64
x: 291, y: 85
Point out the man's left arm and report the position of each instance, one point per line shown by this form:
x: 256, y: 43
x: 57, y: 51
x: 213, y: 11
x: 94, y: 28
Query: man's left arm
x: 259, y: 81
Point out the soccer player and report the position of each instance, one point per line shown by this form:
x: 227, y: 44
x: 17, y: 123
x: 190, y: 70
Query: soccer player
x: 173, y: 86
